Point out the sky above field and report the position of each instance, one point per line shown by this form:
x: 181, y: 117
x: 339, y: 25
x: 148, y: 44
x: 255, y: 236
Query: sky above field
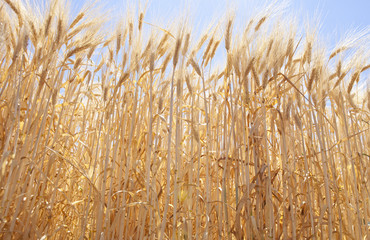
x: 335, y: 17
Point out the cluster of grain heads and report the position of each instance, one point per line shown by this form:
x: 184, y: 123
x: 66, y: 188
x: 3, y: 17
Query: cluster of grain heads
x: 135, y: 135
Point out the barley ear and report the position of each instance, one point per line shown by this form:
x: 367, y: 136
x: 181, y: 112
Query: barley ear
x: 195, y: 66
x: 188, y: 84
x: 151, y: 61
x: 259, y: 24
x: 228, y: 34
x: 311, y: 79
x: 141, y: 17
x: 355, y: 77
x: 186, y: 44
x: 16, y: 10
x: 177, y: 51
x: 77, y: 19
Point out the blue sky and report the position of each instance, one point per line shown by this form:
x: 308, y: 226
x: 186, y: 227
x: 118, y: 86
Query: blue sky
x: 336, y: 16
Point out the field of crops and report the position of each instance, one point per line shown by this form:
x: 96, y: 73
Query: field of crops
x: 133, y: 134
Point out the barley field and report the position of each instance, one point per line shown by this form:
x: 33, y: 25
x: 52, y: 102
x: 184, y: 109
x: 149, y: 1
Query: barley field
x: 260, y: 132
